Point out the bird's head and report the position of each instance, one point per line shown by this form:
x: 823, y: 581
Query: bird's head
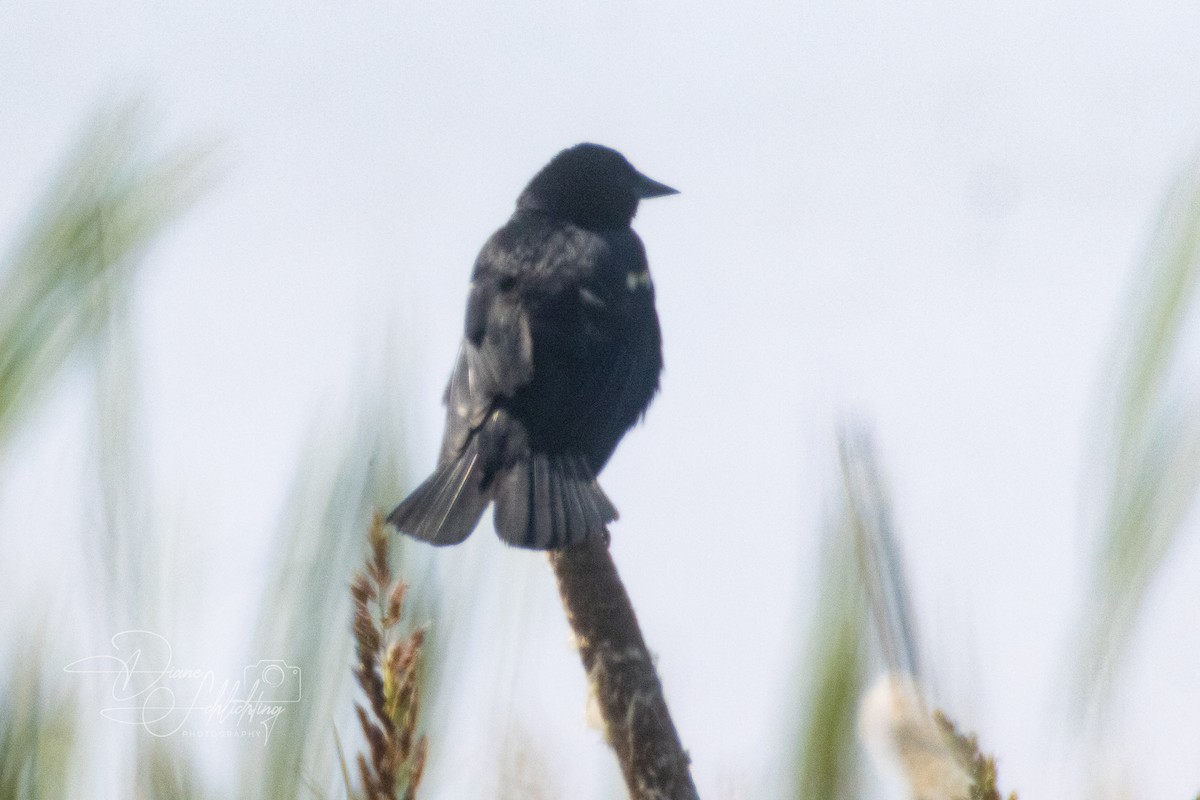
x: 592, y: 186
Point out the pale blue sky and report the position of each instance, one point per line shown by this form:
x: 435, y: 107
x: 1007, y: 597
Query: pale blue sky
x: 921, y: 213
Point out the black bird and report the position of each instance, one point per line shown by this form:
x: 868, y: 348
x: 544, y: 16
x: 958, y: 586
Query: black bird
x: 561, y: 355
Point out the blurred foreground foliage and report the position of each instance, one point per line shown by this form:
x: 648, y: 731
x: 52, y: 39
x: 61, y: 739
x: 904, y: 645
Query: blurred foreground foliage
x: 38, y: 733
x: 65, y: 289
x: 1149, y: 442
x: 863, y: 614
x: 1149, y: 449
x: 81, y: 249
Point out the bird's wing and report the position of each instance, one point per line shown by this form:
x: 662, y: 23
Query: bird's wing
x: 495, y: 359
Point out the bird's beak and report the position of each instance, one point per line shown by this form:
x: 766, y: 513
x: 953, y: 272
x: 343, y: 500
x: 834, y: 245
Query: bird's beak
x: 645, y: 188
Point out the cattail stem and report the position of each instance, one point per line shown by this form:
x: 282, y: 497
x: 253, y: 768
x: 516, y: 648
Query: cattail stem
x: 621, y: 674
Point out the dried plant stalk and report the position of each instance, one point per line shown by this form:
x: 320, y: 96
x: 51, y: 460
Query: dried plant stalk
x: 387, y: 670
x: 982, y: 767
x: 621, y: 674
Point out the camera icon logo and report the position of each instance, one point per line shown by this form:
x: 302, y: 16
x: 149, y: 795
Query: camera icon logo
x: 272, y: 681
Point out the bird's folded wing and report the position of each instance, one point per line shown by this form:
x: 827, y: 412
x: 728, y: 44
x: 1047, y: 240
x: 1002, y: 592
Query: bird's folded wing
x: 495, y: 359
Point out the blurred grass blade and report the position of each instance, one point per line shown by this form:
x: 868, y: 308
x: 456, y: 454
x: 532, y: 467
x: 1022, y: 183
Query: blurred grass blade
x: 826, y: 766
x: 908, y: 739
x: 66, y: 291
x: 38, y: 736
x: 106, y: 206
x: 164, y: 772
x: 1153, y: 444
x: 525, y: 773
x: 346, y: 474
x: 1161, y: 301
x: 870, y: 519
x: 126, y: 547
x: 142, y: 581
x: 861, y: 568
x: 306, y: 608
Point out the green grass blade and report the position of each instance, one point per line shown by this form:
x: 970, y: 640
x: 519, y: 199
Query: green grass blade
x: 1152, y: 451
x: 899, y: 725
x: 65, y: 290
x: 869, y: 516
x: 108, y: 203
x: 826, y: 764
x: 345, y: 475
x: 38, y: 733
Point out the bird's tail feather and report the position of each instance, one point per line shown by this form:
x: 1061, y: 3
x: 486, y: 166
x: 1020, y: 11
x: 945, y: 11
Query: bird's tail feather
x: 545, y: 502
x: 447, y: 506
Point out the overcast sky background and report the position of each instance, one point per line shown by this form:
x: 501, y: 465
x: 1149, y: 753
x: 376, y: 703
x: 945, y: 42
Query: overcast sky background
x: 924, y: 214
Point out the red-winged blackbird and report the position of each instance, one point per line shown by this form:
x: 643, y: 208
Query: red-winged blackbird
x: 561, y: 356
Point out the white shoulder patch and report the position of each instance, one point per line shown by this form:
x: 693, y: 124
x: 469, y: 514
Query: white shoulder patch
x: 637, y: 280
